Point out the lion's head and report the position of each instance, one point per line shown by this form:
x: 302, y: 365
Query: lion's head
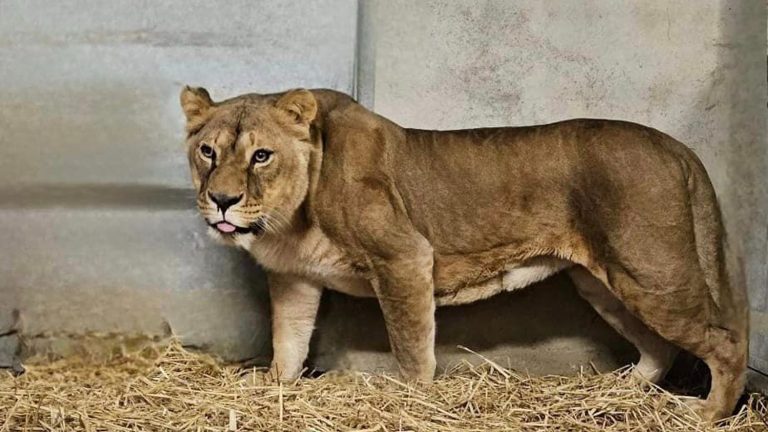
x: 249, y: 157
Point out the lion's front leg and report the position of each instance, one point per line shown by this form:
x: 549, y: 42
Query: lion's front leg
x: 294, y: 309
x: 405, y: 292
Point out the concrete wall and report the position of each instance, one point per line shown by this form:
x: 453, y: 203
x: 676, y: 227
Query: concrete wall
x: 96, y: 205
x: 98, y: 228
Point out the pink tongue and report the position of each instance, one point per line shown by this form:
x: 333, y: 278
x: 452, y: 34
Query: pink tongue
x: 225, y: 227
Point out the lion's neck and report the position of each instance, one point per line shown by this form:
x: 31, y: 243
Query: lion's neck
x: 307, y: 252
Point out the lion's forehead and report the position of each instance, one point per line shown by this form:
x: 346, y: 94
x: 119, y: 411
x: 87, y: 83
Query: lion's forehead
x: 247, y: 127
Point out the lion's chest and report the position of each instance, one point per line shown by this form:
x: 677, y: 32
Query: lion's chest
x: 312, y: 256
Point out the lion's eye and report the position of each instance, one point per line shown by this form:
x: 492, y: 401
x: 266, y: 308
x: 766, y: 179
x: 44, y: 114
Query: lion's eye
x: 207, y: 151
x: 261, y: 155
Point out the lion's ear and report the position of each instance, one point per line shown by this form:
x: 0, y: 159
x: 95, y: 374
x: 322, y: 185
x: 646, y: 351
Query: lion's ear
x: 195, y: 102
x: 300, y: 104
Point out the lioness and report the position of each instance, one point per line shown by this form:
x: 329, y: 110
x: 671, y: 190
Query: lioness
x: 325, y: 193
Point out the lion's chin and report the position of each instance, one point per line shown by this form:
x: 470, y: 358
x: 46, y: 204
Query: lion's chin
x: 218, y: 237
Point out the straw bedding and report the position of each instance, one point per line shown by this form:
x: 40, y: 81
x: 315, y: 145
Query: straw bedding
x: 177, y: 390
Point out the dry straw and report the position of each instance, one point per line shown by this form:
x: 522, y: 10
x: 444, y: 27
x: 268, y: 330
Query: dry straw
x: 177, y: 390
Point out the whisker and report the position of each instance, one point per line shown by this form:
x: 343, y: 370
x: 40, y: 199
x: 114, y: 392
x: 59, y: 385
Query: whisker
x: 269, y: 225
x: 279, y: 218
x: 274, y: 221
x: 277, y: 223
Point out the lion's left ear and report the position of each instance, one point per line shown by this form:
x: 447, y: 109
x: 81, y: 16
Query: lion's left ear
x: 300, y: 104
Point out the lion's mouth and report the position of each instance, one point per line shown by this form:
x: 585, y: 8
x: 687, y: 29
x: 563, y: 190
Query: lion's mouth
x: 225, y: 227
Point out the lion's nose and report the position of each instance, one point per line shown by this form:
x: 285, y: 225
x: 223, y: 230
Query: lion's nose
x: 223, y: 201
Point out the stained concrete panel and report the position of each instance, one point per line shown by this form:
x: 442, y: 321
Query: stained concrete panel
x: 90, y: 88
x: 98, y: 231
x: 133, y: 271
x: 695, y: 71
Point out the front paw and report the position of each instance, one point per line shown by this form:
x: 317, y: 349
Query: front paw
x: 284, y: 373
x: 421, y: 373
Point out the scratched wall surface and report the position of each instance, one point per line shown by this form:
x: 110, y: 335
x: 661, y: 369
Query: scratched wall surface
x: 98, y: 229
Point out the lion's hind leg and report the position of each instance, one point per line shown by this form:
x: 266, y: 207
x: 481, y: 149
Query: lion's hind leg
x: 656, y: 354
x: 678, y: 308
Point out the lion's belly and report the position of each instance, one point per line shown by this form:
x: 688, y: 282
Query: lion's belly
x: 512, y: 278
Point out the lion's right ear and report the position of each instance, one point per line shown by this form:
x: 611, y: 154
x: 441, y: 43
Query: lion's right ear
x: 195, y: 102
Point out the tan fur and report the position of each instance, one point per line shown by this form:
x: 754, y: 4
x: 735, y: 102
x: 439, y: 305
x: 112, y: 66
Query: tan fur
x: 352, y: 202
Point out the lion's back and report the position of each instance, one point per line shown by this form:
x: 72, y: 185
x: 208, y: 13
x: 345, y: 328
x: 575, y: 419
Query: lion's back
x: 513, y: 185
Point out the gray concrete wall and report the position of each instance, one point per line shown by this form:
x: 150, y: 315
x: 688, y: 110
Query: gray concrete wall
x: 98, y: 229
